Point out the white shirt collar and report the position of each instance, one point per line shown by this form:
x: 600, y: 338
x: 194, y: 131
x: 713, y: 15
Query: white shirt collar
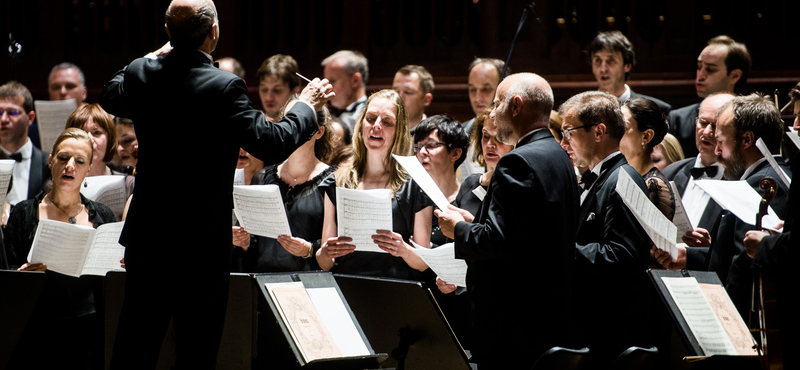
x: 25, y: 150
x: 720, y: 168
x: 625, y: 96
x: 752, y: 168
x: 597, y: 168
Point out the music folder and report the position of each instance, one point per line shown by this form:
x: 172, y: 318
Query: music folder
x: 708, y: 344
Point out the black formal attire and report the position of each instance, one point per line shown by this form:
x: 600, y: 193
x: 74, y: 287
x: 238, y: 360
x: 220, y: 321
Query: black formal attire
x: 727, y: 256
x: 66, y: 322
x: 613, y: 252
x: 406, y: 202
x: 522, y: 246
x: 682, y: 126
x: 777, y: 256
x: 680, y: 173
x: 38, y: 173
x: 180, y: 102
x: 665, y: 108
x: 305, y: 209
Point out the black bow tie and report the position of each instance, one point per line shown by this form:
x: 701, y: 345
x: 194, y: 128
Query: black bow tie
x: 697, y: 172
x: 588, y: 178
x: 16, y: 156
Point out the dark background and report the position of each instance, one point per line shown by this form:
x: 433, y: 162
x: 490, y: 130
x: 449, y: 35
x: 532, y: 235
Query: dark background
x: 102, y: 36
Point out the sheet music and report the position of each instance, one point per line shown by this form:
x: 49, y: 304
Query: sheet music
x: 301, y: 317
x: 774, y: 164
x: 105, y: 252
x: 6, y: 170
x: 661, y: 230
x: 680, y: 218
x: 738, y: 332
x: 52, y: 118
x: 794, y: 137
x: 360, y: 213
x: 740, y: 199
x: 337, y: 319
x: 109, y: 190
x: 699, y: 315
x: 260, y: 210
x: 423, y: 179
x: 61, y: 246
x: 238, y: 177
x: 443, y: 262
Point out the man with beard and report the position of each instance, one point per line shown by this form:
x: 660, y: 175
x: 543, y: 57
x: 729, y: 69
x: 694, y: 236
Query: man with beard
x: 740, y: 123
x: 509, y: 231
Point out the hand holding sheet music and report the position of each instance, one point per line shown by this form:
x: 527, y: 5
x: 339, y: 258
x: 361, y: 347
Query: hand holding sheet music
x: 661, y: 230
x: 77, y: 250
x: 443, y: 262
x: 260, y: 210
x: 361, y: 213
x: 423, y: 179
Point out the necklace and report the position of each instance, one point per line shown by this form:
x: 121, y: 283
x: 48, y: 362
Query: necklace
x: 72, y: 219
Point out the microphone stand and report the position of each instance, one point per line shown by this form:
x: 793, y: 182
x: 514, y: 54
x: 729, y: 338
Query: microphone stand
x: 530, y: 6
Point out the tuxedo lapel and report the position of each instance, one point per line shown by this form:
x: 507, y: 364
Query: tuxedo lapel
x: 587, y: 207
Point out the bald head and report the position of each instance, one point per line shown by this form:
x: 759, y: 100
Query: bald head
x: 523, y: 103
x: 191, y: 23
x: 706, y: 125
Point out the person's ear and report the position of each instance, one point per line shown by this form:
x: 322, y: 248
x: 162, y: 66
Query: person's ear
x: 426, y: 101
x: 599, y: 131
x: 748, y: 139
x: 647, y: 136
x: 455, y: 154
x: 734, y: 76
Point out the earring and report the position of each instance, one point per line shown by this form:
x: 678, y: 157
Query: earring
x: 85, y: 183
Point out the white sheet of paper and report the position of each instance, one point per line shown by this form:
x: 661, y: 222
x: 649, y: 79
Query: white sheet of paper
x: 336, y: 318
x: 109, y: 190
x: 772, y: 162
x: 741, y: 199
x: 443, y: 262
x: 661, y: 230
x: 423, y: 179
x: 106, y: 252
x: 67, y: 248
x: 238, y: 177
x: 360, y: 213
x: 52, y: 117
x: 680, y: 218
x: 6, y: 170
x: 260, y: 210
x: 794, y: 137
x: 699, y: 316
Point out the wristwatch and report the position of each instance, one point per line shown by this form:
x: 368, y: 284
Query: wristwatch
x: 310, y: 251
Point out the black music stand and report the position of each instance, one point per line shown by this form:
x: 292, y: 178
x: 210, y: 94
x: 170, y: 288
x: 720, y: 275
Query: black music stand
x: 692, y: 346
x: 277, y: 349
x: 402, y: 318
x: 237, y: 347
x: 19, y: 291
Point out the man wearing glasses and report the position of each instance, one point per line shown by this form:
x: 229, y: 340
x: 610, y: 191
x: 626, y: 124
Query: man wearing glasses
x: 699, y: 206
x: 612, y: 250
x: 16, y: 115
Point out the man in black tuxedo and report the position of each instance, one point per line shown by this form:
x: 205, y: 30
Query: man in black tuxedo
x: 512, y: 229
x: 612, y: 58
x: 740, y: 123
x: 703, y: 212
x: 723, y: 66
x: 612, y: 250
x: 177, y: 235
x: 16, y: 116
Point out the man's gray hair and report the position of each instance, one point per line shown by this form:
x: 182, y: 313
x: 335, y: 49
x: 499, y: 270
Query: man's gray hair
x: 352, y: 61
x: 539, y: 100
x: 66, y: 65
x: 188, y: 27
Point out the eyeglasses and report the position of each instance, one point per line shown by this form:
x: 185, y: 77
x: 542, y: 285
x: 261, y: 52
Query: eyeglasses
x: 568, y: 132
x: 11, y: 112
x: 703, y: 122
x: 431, y: 145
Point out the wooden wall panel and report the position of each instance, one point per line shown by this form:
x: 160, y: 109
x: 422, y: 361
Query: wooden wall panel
x: 102, y: 36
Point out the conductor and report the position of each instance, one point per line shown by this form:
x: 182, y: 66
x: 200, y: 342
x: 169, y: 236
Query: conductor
x: 177, y: 235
